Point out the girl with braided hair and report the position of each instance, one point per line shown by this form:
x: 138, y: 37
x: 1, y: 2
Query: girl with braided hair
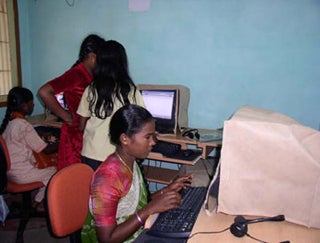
x: 22, y: 140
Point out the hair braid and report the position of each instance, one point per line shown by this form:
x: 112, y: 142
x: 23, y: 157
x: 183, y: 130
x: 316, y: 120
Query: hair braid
x: 5, y: 120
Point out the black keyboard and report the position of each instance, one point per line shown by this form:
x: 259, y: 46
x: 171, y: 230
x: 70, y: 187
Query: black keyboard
x: 45, y: 132
x: 174, y: 151
x: 166, y: 148
x: 178, y: 223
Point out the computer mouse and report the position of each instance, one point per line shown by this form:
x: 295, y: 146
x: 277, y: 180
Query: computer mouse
x: 187, y: 152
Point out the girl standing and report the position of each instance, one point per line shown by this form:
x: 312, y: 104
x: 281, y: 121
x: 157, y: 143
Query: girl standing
x: 111, y: 88
x: 72, y: 84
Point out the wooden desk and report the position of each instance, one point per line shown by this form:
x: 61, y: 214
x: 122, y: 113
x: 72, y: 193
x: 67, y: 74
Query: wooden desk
x: 206, y: 147
x: 271, y: 232
x: 153, y: 173
x: 41, y: 120
x: 265, y: 231
x: 164, y: 175
x: 44, y: 160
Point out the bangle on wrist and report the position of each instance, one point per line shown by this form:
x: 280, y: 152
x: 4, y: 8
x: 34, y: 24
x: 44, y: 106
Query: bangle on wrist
x: 163, y: 190
x: 139, y: 219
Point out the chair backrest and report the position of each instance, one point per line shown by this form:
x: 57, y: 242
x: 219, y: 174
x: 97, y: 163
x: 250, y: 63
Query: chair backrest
x: 5, y: 152
x: 4, y: 157
x: 68, y: 198
x: 5, y: 164
x: 5, y: 183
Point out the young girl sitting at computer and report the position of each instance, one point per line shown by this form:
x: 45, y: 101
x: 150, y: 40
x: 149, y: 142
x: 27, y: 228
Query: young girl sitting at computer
x: 22, y: 140
x: 118, y: 197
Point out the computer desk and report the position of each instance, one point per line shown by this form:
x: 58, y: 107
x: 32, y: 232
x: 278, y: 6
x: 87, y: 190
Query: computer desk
x: 206, y: 147
x: 272, y: 232
x: 269, y: 232
x: 164, y: 175
x: 153, y: 173
x: 265, y: 231
x: 41, y: 120
x: 44, y: 160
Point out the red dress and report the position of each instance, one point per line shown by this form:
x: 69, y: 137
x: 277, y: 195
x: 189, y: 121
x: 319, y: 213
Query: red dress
x: 72, y: 83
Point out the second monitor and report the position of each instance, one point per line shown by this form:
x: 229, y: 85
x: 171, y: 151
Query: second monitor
x: 168, y: 104
x: 162, y: 104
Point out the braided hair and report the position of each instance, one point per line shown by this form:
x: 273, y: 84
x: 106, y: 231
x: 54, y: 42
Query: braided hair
x: 16, y: 97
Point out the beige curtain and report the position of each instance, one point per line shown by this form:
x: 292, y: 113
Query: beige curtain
x: 5, y: 62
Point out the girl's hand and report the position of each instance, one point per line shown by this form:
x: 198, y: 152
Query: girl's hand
x: 68, y: 118
x: 180, y: 183
x: 164, y: 202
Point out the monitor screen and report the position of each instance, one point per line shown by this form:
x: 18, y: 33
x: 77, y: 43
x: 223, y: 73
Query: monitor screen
x: 61, y: 101
x: 49, y: 116
x: 162, y: 104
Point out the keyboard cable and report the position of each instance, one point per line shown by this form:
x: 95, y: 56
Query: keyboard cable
x: 209, y: 232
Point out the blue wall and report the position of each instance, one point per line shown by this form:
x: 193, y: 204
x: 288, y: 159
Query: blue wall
x: 229, y: 52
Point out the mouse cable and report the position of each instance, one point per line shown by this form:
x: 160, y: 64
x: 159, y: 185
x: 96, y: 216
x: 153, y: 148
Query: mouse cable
x: 254, y: 238
x: 209, y: 232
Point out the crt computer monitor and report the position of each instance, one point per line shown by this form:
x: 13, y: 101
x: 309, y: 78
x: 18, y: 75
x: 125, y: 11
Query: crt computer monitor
x: 162, y: 104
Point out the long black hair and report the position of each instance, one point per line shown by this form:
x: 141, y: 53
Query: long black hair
x: 90, y: 44
x: 16, y: 97
x: 111, y: 80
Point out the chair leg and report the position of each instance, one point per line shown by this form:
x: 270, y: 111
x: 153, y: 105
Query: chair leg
x: 75, y: 237
x: 25, y: 215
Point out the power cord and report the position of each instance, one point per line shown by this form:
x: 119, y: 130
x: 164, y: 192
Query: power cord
x: 254, y: 238
x: 228, y: 228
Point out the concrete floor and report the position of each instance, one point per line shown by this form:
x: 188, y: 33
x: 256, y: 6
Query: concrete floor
x: 36, y: 230
x: 32, y: 235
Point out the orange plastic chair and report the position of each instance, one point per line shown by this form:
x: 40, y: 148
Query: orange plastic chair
x: 25, y: 189
x: 67, y: 200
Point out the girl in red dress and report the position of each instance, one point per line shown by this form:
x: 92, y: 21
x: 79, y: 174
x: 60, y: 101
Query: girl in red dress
x: 72, y: 84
